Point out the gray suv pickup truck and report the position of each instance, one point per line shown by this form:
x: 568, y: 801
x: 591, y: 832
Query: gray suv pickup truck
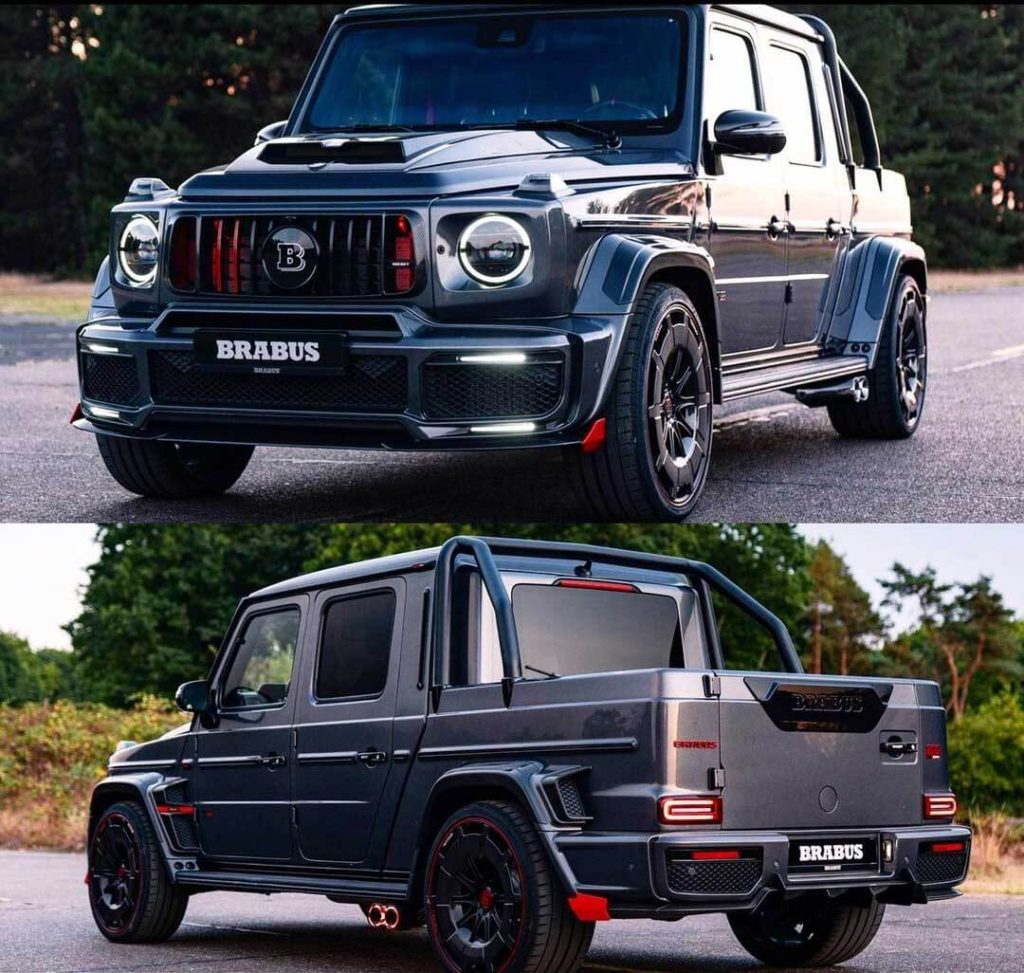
x: 510, y: 741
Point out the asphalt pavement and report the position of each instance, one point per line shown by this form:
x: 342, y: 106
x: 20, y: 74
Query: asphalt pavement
x: 774, y: 460
x: 45, y: 925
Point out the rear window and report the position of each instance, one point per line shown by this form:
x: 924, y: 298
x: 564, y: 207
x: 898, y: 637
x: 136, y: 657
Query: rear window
x: 567, y: 631
x: 356, y: 646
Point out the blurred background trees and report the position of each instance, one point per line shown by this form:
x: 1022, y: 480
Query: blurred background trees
x: 93, y: 95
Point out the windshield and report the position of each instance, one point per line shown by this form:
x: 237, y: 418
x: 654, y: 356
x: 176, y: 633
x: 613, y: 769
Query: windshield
x: 613, y: 71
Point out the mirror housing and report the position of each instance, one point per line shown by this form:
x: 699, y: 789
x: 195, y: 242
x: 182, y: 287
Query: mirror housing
x: 742, y: 131
x: 193, y: 697
x: 270, y: 132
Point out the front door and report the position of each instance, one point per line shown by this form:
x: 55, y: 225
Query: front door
x: 344, y: 737
x: 243, y: 780
x: 817, y: 187
x: 747, y: 207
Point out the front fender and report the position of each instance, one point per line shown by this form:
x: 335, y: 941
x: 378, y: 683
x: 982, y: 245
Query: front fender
x: 870, y: 272
x: 101, y: 303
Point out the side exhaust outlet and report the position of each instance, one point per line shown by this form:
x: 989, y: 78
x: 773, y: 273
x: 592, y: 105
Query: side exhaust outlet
x: 382, y: 916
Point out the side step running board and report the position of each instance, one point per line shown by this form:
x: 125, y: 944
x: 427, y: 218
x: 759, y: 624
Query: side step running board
x: 350, y: 889
x: 790, y: 377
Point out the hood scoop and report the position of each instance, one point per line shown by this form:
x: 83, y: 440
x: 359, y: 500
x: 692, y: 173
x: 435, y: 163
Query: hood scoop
x: 350, y: 151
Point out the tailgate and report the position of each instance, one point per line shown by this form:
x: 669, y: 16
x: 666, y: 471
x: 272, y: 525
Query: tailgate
x: 805, y: 751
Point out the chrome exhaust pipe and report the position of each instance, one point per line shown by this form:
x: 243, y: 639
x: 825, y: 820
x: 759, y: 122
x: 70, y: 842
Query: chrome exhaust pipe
x: 381, y: 915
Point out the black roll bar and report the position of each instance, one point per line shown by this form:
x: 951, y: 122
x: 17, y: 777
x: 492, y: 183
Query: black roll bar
x: 483, y: 549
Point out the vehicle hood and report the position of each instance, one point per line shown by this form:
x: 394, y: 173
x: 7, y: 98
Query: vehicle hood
x: 424, y: 165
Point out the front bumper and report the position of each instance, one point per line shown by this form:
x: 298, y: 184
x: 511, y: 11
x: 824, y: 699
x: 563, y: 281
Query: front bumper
x: 648, y: 875
x: 408, y: 383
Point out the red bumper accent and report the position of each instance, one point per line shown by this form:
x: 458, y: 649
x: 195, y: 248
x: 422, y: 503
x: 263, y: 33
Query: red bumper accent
x: 595, y: 437
x: 590, y: 908
x: 76, y: 414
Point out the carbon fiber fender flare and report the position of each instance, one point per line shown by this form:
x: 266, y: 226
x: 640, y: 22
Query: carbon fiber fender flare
x: 619, y: 267
x: 868, y: 278
x: 521, y: 781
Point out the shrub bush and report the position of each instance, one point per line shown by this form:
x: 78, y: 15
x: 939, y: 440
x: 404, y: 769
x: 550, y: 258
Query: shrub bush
x: 986, y: 757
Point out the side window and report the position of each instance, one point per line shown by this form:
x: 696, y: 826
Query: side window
x: 261, y: 670
x: 355, y: 646
x: 731, y: 77
x: 791, y: 98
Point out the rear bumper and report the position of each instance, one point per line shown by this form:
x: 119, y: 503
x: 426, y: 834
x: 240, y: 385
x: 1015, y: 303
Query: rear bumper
x: 407, y: 386
x: 649, y: 875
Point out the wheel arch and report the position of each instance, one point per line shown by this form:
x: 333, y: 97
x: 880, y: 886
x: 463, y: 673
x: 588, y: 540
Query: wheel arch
x: 515, y: 783
x: 620, y: 267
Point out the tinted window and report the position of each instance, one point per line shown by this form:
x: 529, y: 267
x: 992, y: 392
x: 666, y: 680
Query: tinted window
x: 730, y: 77
x: 261, y: 670
x: 791, y: 98
x: 355, y: 646
x: 576, y: 630
x: 618, y: 69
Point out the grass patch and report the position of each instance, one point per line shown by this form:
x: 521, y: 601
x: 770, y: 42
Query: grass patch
x: 53, y: 754
x: 956, y: 281
x: 27, y: 294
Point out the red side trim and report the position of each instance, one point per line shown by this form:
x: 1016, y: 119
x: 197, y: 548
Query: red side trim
x: 716, y: 856
x: 233, y: 272
x: 595, y: 437
x: 590, y: 908
x: 187, y: 809
x: 218, y: 249
x: 595, y: 585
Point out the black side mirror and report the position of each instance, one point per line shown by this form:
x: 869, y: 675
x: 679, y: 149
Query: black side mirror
x: 745, y: 132
x: 270, y: 132
x: 193, y: 697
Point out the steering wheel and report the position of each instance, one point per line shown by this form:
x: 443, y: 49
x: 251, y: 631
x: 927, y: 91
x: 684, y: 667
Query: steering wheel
x: 618, y: 106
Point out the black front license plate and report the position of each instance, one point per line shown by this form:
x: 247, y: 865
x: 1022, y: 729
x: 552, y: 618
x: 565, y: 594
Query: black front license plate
x: 271, y: 352
x: 848, y: 853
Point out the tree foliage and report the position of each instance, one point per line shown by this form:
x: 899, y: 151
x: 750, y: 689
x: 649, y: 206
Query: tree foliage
x: 94, y: 95
x: 31, y: 676
x: 986, y: 756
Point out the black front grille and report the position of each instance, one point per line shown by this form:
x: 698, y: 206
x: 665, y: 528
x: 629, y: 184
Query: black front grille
x: 111, y: 378
x: 349, y: 262
x: 372, y: 383
x: 936, y: 868
x: 460, y: 391
x: 572, y: 801
x: 737, y: 877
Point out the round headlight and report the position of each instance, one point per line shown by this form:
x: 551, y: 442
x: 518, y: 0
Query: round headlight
x: 139, y: 251
x: 494, y: 250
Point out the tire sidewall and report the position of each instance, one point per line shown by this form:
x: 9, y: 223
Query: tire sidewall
x: 131, y: 814
x: 888, y: 371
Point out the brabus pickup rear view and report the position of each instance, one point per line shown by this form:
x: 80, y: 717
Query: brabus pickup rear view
x: 510, y: 741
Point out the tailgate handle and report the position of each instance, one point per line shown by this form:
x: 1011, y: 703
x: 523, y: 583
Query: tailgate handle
x: 896, y: 748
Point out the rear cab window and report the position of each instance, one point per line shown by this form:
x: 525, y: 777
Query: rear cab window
x: 355, y: 646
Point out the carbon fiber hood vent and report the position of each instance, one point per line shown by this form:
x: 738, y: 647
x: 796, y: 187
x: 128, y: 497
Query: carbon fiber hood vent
x: 354, y: 151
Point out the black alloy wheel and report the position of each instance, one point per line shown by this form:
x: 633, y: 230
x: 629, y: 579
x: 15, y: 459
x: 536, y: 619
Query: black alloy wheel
x: 115, y: 874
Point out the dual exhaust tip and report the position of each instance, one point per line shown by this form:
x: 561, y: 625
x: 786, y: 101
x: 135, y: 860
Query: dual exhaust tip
x: 382, y: 916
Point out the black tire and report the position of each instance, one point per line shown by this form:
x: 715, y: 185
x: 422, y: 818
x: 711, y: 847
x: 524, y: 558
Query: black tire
x: 654, y: 462
x: 172, y: 471
x: 898, y: 383
x: 519, y: 914
x: 131, y: 897
x: 809, y: 931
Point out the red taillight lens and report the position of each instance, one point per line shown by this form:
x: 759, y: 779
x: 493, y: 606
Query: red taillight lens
x: 183, y: 254
x: 595, y: 585
x: 939, y: 805
x: 947, y: 847
x: 401, y: 256
x: 933, y: 751
x: 690, y: 810
x: 723, y: 855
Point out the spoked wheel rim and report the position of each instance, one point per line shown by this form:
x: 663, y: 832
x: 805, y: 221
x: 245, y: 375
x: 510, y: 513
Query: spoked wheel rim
x: 911, y: 357
x: 678, y: 397
x: 477, y: 897
x: 115, y: 872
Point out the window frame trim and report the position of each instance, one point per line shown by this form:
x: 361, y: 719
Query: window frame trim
x: 751, y: 38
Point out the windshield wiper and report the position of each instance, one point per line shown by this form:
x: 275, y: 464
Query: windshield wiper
x: 611, y: 139
x: 542, y: 672
x: 341, y: 130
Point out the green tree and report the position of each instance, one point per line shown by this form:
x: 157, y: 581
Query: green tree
x: 961, y: 630
x: 986, y: 756
x: 28, y: 676
x: 844, y: 629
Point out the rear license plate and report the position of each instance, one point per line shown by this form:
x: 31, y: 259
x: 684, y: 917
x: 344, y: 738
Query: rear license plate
x: 271, y: 352
x: 841, y: 854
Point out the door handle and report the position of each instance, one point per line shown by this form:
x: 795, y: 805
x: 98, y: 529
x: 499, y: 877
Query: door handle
x: 372, y: 758
x: 833, y: 229
x: 896, y: 748
x: 777, y: 228
x: 273, y: 761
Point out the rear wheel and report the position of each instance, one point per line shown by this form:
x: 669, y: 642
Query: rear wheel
x: 132, y: 899
x: 808, y: 931
x: 492, y: 902
x: 899, y: 380
x: 655, y: 461
x: 172, y: 471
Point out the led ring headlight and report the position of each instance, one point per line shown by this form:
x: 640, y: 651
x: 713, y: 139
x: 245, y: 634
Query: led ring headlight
x: 138, y: 251
x: 494, y: 250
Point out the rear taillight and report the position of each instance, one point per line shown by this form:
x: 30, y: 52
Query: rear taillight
x: 183, y: 254
x: 690, y: 810
x: 933, y: 751
x: 939, y: 805
x: 595, y: 585
x: 400, y: 256
x: 947, y: 847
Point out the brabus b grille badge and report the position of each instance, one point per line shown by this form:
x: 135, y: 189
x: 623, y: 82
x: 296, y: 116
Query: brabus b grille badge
x: 810, y: 707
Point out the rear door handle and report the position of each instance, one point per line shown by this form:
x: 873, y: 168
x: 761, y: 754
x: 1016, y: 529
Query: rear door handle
x: 896, y: 748
x: 833, y: 229
x: 372, y: 758
x: 273, y: 761
x: 777, y: 228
